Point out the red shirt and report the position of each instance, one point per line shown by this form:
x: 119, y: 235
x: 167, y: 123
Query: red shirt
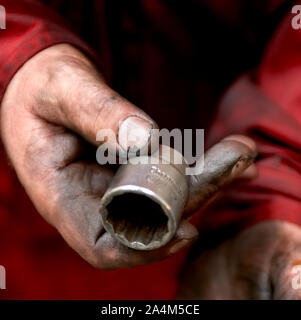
x: 226, y: 66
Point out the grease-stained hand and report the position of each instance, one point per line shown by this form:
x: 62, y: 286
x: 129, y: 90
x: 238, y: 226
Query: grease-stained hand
x: 262, y: 262
x: 50, y: 115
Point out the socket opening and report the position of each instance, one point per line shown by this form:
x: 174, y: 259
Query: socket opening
x: 137, y: 218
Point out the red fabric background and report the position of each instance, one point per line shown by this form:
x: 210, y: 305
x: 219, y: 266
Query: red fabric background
x: 170, y: 59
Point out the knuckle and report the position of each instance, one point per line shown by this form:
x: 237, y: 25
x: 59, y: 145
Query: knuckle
x: 106, y: 108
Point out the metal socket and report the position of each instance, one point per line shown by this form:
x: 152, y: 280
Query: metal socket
x: 144, y: 202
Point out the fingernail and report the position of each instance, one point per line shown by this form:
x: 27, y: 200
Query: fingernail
x: 240, y: 166
x: 134, y: 133
x: 179, y: 245
x: 250, y: 143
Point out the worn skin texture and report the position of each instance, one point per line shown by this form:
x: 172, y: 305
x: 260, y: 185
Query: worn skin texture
x: 256, y: 264
x: 50, y: 115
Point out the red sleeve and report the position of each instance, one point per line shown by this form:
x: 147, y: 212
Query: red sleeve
x: 265, y: 105
x: 30, y: 28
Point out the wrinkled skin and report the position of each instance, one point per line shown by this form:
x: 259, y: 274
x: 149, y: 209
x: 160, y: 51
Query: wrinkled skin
x: 256, y: 264
x: 50, y: 115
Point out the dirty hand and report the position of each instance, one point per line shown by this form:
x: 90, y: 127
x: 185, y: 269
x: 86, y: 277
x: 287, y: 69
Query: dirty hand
x: 50, y: 115
x: 262, y: 262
